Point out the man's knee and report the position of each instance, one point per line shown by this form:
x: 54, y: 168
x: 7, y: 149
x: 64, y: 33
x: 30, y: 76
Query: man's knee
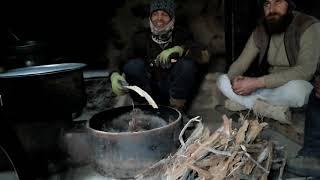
x: 182, y: 79
x: 134, y: 67
x: 186, y: 66
x: 297, y: 91
x: 223, y: 82
x: 314, y: 101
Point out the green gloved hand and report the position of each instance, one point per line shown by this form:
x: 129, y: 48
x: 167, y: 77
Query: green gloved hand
x: 164, y: 58
x: 117, y: 83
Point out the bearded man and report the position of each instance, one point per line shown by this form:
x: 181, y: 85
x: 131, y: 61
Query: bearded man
x: 160, y: 60
x: 273, y: 71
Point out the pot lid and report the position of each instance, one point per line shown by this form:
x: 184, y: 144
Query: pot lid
x: 41, y: 70
x: 27, y: 46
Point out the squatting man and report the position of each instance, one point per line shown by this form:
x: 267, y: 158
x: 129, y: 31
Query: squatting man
x: 279, y: 59
x: 161, y: 59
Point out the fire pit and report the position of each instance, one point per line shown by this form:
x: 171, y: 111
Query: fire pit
x: 126, y: 150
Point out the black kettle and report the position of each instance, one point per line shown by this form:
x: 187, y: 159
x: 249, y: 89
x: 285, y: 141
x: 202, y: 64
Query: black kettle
x: 26, y: 53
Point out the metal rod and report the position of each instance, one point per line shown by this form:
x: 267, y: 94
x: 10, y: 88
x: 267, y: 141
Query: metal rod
x: 1, y: 103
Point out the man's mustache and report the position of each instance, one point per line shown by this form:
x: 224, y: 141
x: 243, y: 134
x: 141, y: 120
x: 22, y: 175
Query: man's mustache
x: 159, y: 21
x: 272, y: 15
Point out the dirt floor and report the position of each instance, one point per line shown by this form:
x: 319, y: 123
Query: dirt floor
x: 100, y: 98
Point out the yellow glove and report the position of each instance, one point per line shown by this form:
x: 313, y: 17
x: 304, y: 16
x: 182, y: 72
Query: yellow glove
x: 164, y: 58
x: 117, y: 83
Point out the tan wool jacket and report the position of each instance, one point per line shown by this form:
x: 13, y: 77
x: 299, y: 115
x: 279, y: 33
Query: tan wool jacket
x: 280, y: 71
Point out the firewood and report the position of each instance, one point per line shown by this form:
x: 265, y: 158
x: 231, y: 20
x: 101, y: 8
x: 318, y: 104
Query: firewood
x: 236, y: 169
x: 221, y: 170
x: 253, y: 160
x: 284, y: 160
x: 227, y: 123
x: 200, y: 151
x: 200, y: 171
x: 196, y: 119
x: 223, y: 154
x: 241, y: 135
x: 208, y: 161
x: 261, y: 157
x: 254, y: 129
x: 269, y: 161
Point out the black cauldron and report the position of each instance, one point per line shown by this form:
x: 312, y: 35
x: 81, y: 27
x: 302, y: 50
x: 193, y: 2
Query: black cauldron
x: 27, y: 53
x: 125, y: 154
x: 41, y: 92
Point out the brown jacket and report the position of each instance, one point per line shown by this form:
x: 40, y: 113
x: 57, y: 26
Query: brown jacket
x: 292, y: 55
x: 291, y: 40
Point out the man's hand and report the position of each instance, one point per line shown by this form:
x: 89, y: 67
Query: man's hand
x: 244, y: 86
x: 236, y: 79
x: 164, y: 58
x: 117, y: 83
x: 317, y: 86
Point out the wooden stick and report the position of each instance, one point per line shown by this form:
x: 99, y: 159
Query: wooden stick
x: 253, y: 160
x: 213, y: 137
x: 224, y: 153
x: 283, y: 165
x: 226, y: 126
x: 234, y: 170
x: 210, y: 140
x: 269, y: 161
x: 200, y: 171
x: 196, y: 119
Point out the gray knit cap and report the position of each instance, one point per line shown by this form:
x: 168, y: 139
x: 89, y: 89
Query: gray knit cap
x: 291, y: 4
x: 165, y: 5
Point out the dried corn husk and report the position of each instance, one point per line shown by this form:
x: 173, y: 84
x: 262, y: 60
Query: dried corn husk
x: 223, y: 154
x: 144, y: 94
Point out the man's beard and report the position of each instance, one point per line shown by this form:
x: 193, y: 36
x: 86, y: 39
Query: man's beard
x: 278, y: 25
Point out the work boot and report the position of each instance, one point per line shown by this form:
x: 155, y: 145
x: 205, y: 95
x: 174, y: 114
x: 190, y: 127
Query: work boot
x: 233, y: 105
x: 304, y: 166
x: 279, y: 113
x: 230, y: 108
x: 179, y: 104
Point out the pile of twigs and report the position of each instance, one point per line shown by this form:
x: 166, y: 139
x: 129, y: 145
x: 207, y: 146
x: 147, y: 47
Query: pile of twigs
x: 224, y: 154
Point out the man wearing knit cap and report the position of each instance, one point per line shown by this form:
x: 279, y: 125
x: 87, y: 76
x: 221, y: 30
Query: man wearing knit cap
x: 160, y: 60
x: 274, y: 71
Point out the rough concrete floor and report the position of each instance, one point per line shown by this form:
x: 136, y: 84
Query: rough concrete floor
x: 203, y: 105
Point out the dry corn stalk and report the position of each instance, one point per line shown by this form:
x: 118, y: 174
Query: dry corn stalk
x: 144, y: 94
x: 223, y: 154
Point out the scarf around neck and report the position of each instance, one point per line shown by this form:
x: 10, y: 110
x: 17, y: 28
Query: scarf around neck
x: 162, y: 36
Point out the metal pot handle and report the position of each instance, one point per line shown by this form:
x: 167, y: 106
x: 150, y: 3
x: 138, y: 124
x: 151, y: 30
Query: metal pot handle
x: 1, y: 103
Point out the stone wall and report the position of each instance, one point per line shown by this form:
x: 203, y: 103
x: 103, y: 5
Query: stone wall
x: 96, y: 34
x: 204, y: 18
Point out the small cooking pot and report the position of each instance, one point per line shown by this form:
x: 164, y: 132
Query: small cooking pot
x: 43, y: 91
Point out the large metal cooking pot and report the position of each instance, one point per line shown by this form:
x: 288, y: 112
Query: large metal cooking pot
x: 43, y: 91
x: 27, y: 53
x: 125, y: 154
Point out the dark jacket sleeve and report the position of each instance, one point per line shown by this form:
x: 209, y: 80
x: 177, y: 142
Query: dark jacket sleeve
x: 136, y: 48
x: 141, y: 46
x: 192, y: 49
